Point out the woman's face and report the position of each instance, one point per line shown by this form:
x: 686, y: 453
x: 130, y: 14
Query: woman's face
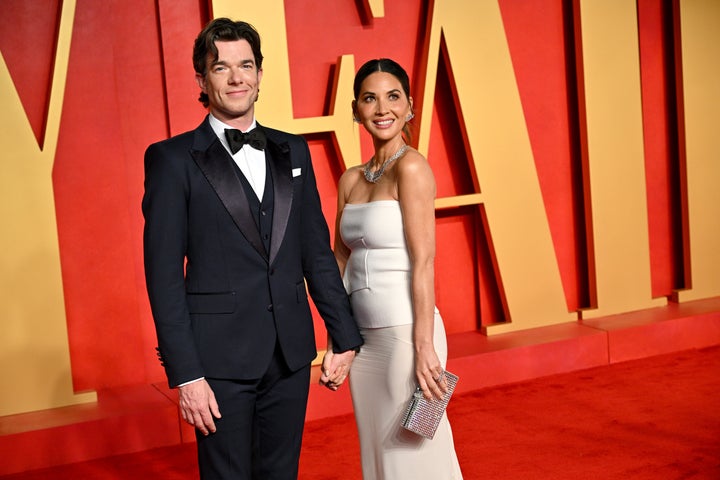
x: 382, y: 106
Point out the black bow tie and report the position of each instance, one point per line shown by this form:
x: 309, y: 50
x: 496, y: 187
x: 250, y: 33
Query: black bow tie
x: 255, y: 138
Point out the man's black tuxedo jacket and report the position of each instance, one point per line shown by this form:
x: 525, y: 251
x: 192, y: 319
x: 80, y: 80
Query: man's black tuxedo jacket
x: 220, y: 301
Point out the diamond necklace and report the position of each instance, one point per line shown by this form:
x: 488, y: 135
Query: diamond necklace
x: 373, y: 177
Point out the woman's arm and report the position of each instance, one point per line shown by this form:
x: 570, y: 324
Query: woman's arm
x: 342, y: 252
x: 416, y: 194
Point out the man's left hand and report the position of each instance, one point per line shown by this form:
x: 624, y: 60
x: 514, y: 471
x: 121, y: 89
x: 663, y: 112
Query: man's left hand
x: 335, y: 368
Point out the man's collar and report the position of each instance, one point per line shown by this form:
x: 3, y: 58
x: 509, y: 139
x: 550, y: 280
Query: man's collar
x: 219, y: 126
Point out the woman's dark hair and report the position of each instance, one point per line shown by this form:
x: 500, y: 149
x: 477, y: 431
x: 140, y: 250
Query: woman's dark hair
x: 388, y: 66
x: 381, y: 65
x: 224, y: 30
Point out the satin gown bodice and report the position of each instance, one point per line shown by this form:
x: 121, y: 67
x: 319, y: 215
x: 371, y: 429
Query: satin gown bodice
x: 377, y: 273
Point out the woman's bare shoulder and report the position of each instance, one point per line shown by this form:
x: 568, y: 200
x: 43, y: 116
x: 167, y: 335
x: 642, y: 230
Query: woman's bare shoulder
x: 413, y: 162
x: 351, y: 175
x: 349, y: 179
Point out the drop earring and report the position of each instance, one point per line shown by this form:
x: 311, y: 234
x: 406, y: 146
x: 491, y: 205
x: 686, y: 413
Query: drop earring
x: 410, y: 116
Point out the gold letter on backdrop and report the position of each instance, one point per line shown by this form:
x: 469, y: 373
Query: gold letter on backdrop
x: 34, y: 349
x: 700, y: 40
x: 497, y: 133
x: 611, y: 66
x: 490, y: 107
x: 276, y: 104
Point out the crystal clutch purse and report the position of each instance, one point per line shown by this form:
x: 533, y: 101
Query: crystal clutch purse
x: 423, y: 416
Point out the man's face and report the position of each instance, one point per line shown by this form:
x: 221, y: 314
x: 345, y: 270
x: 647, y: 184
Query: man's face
x: 232, y: 83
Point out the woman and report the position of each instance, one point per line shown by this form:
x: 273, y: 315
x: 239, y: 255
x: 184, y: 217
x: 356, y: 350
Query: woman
x: 385, y: 248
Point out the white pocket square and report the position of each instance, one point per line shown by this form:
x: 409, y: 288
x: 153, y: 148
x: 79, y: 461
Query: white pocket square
x: 296, y: 172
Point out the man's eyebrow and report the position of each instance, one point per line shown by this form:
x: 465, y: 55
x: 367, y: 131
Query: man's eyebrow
x: 225, y: 62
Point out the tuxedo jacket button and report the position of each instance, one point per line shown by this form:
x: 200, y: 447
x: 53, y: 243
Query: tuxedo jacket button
x: 270, y: 308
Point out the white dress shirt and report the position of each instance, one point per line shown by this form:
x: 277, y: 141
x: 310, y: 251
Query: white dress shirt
x: 250, y: 160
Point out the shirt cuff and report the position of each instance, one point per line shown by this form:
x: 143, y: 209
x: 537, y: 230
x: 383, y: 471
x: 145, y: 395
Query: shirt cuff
x: 191, y: 381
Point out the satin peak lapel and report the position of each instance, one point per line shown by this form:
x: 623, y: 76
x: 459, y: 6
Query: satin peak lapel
x: 281, y: 170
x: 216, y: 164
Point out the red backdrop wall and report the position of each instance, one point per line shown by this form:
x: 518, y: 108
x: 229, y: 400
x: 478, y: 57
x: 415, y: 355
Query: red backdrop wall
x: 130, y: 83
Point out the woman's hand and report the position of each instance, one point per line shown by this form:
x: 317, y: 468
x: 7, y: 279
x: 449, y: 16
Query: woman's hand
x: 429, y: 372
x: 335, y: 368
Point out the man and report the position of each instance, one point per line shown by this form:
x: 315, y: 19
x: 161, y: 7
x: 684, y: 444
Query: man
x: 233, y: 231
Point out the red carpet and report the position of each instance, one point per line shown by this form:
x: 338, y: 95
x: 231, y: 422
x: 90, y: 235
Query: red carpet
x: 656, y: 418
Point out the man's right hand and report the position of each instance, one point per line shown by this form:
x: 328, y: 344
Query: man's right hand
x: 198, y: 406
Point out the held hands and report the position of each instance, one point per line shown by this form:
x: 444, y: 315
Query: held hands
x: 335, y: 368
x: 198, y: 406
x: 430, y: 373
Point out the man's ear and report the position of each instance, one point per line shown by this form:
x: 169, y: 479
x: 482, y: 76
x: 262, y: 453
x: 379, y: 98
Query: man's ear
x: 200, y: 79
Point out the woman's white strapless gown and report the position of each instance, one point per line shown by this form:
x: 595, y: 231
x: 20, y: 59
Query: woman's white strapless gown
x: 382, y: 377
